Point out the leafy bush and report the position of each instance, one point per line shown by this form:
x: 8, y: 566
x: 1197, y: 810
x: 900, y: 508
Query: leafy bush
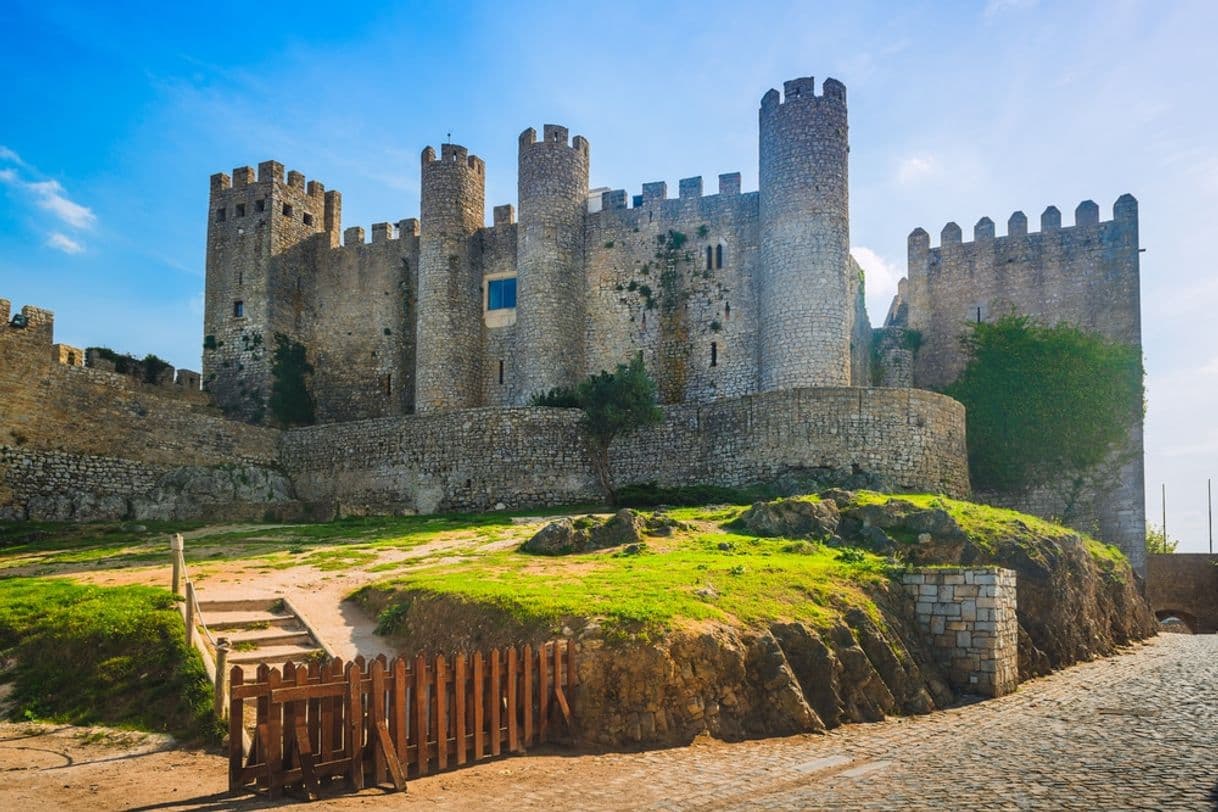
x: 562, y: 397
x: 1044, y: 400
x: 291, y: 402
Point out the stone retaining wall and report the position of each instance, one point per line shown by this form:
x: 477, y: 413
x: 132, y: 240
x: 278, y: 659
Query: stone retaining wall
x: 969, y: 617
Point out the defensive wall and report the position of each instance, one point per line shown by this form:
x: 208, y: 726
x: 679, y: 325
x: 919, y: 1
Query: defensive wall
x: 1086, y: 275
x: 482, y: 459
x: 1184, y: 585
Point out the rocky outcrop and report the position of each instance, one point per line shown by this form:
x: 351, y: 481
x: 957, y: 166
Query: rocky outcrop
x: 588, y: 533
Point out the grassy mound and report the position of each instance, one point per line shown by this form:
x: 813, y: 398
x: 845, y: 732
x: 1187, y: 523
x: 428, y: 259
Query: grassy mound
x: 102, y: 655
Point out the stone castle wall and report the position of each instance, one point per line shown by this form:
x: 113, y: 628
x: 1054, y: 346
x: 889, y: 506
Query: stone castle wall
x: 968, y: 616
x: 484, y: 458
x: 1086, y: 275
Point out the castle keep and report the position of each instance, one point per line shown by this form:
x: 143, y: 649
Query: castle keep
x: 424, y: 346
x: 725, y: 294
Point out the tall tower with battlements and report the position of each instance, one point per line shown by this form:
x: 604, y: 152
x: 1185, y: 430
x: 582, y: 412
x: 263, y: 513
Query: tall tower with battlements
x: 449, y: 322
x: 551, y: 293
x: 804, y: 302
x: 252, y: 295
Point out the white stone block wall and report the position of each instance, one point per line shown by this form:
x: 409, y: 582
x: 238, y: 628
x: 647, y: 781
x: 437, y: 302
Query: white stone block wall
x: 968, y: 615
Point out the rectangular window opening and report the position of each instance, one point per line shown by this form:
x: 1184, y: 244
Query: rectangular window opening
x: 240, y: 209
x: 501, y: 294
x: 719, y: 255
x: 220, y: 214
x: 239, y: 309
x: 389, y: 384
x: 259, y: 205
x: 308, y: 219
x: 501, y: 372
x: 708, y: 257
x: 714, y: 354
x: 287, y: 210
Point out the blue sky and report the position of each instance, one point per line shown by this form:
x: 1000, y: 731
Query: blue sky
x: 114, y: 115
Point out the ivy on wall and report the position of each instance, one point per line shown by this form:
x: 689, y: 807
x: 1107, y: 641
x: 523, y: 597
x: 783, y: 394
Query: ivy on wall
x: 1043, y: 401
x: 291, y: 402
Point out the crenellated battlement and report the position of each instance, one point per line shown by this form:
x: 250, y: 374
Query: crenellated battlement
x: 552, y: 135
x: 453, y: 154
x: 1086, y: 216
x: 657, y: 192
x: 30, y: 321
x: 803, y: 90
x: 382, y: 232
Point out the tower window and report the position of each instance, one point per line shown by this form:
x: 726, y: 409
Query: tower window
x: 239, y: 309
x: 714, y: 354
x: 287, y: 210
x: 727, y: 311
x: 220, y: 214
x: 240, y: 277
x: 259, y: 205
x: 389, y: 384
x: 501, y: 294
x: 71, y: 359
x: 308, y: 219
x: 719, y: 255
x: 708, y: 258
x: 501, y: 372
x: 240, y: 209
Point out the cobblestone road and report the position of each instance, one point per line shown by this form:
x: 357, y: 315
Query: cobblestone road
x: 1136, y: 731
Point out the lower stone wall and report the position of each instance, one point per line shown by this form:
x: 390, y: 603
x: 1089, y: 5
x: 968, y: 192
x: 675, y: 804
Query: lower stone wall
x: 969, y: 618
x: 58, y: 486
x: 1184, y: 585
x: 482, y: 459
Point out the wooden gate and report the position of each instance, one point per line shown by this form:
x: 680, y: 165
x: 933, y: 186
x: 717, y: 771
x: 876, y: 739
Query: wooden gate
x: 380, y: 722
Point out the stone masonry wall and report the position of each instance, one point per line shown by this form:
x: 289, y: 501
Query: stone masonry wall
x: 1086, y: 275
x: 483, y: 458
x: 969, y: 617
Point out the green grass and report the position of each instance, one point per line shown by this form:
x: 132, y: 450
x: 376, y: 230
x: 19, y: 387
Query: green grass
x: 754, y: 581
x: 102, y: 655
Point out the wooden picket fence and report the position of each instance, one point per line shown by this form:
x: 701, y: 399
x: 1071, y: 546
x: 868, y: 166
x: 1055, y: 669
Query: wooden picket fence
x: 380, y: 722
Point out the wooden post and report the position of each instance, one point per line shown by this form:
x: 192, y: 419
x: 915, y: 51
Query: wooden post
x: 190, y: 614
x: 176, y: 547
x: 221, y: 697
x: 236, y: 745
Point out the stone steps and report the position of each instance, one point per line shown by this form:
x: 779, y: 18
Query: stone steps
x: 261, y: 630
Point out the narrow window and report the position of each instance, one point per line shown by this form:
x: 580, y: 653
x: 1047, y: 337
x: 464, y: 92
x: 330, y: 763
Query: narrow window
x: 708, y: 258
x: 501, y: 294
x: 259, y: 205
x: 287, y: 210
x: 220, y: 214
x: 501, y: 372
x: 389, y: 384
x: 240, y: 277
x: 719, y: 255
x: 240, y: 209
x: 979, y: 315
x: 72, y: 360
x: 308, y: 219
x: 239, y: 309
x: 727, y: 311
x: 714, y: 354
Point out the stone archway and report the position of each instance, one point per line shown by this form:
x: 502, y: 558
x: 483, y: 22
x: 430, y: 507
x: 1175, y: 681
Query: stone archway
x: 1189, y: 620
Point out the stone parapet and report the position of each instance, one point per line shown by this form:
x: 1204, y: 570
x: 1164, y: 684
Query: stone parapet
x: 968, y: 615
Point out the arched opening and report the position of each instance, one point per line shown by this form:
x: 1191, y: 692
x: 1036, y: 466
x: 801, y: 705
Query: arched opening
x: 1171, y: 620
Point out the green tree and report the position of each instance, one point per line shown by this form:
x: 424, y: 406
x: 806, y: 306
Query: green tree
x: 613, y: 404
x: 1157, y: 541
x: 291, y: 402
x: 1044, y: 401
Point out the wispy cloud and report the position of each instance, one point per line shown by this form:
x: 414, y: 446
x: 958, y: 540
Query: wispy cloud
x: 62, y: 242
x: 50, y: 196
x: 914, y: 168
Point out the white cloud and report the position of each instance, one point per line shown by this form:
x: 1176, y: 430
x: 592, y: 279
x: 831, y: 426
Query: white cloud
x: 881, y: 278
x: 1211, y: 367
x: 50, y: 195
x: 62, y: 242
x: 915, y: 168
x: 10, y: 156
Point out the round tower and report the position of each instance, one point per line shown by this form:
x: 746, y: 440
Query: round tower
x: 804, y: 295
x: 550, y: 316
x: 449, y: 313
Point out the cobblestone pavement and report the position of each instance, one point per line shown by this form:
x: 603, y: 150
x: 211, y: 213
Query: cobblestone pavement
x: 1135, y: 731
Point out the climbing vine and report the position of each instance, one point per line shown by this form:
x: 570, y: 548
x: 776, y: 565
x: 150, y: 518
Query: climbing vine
x: 1044, y: 401
x: 291, y: 402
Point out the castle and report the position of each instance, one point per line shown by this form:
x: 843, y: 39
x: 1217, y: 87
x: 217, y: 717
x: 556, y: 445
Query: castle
x: 425, y: 346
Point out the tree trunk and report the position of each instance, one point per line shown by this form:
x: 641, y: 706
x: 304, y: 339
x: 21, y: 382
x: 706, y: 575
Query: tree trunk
x: 600, y: 463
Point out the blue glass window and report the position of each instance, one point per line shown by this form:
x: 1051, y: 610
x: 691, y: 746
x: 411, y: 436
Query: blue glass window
x: 501, y: 294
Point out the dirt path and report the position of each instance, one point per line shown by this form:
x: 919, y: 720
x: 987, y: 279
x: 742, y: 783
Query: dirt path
x: 1135, y: 731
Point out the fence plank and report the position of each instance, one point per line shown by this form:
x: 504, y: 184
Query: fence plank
x: 512, y: 704
x: 495, y: 697
x: 385, y: 748
x: 558, y: 692
x: 236, y: 729
x: 398, y: 704
x: 543, y: 694
x: 571, y: 679
x: 526, y: 697
x: 262, y: 715
x: 441, y: 689
x: 355, y: 724
x: 274, y: 735
x: 479, y: 707
x: 376, y: 710
x: 421, y: 708
x: 459, y: 689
